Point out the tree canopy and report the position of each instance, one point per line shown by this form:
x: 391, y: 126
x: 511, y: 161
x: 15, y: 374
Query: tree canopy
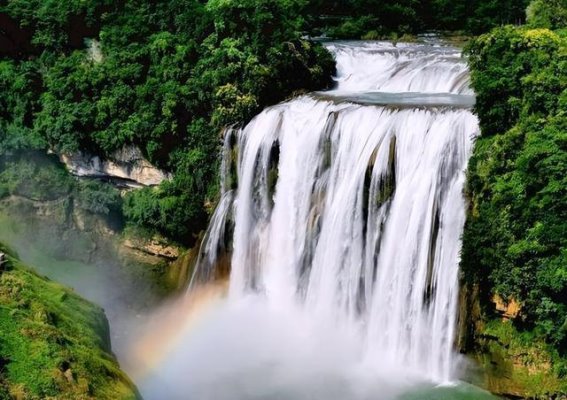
x: 165, y: 76
x: 516, y: 236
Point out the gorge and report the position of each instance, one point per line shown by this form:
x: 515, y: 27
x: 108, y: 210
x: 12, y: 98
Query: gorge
x: 389, y: 220
x: 343, y: 213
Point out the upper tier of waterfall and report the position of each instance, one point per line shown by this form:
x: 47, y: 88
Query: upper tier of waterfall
x: 409, y: 68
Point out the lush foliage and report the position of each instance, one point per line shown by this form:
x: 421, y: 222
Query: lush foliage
x: 53, y: 343
x: 375, y: 18
x: 515, y: 239
x: 163, y: 75
x: 42, y: 181
x: 520, y: 363
x: 550, y: 14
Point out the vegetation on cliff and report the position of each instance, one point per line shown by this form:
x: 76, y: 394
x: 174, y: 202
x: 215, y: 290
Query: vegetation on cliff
x: 517, y: 364
x: 165, y: 76
x: 53, y: 344
x: 515, y: 239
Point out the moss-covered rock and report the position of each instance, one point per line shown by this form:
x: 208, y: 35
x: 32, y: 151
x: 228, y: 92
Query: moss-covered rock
x: 518, y: 364
x: 53, y: 344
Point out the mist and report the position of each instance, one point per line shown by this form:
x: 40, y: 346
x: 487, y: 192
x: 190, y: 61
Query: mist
x: 206, y: 346
x: 126, y: 290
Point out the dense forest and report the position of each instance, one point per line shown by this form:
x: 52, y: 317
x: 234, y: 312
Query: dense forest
x: 168, y: 76
x: 516, y: 236
x: 375, y: 18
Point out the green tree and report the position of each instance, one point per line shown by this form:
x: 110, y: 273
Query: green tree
x: 550, y: 14
x: 514, y: 242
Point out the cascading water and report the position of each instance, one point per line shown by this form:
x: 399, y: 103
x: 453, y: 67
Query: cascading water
x: 346, y: 222
x: 384, y: 67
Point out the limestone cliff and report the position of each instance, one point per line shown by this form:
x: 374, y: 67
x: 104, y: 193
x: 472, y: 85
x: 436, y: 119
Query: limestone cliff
x: 126, y: 165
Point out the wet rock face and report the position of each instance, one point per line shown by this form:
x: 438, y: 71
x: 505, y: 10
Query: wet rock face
x: 500, y: 358
x: 508, y: 309
x: 127, y: 165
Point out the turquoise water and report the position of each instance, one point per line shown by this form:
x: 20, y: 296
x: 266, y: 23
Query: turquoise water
x: 461, y: 391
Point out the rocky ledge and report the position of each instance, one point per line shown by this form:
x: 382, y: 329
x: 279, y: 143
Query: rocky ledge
x: 127, y: 166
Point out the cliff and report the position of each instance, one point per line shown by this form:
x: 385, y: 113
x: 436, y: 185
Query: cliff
x: 127, y: 166
x: 53, y: 344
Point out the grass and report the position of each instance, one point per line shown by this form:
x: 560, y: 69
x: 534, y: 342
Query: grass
x: 53, y: 344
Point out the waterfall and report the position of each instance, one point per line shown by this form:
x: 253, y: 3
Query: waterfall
x: 346, y: 217
x: 381, y: 66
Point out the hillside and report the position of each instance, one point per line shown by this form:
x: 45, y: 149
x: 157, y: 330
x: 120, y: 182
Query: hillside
x: 53, y: 344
